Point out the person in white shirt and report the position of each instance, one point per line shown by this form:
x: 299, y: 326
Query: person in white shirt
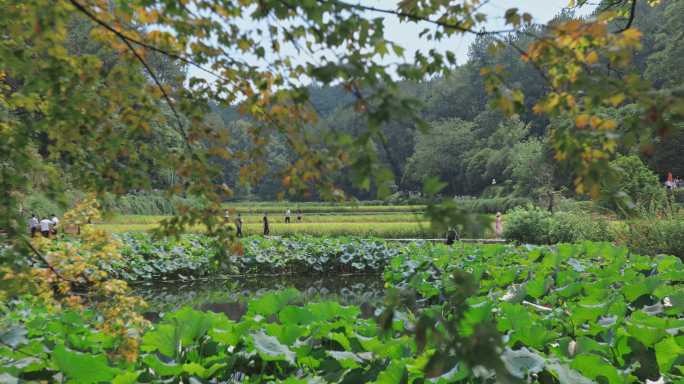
x: 55, y: 222
x: 33, y: 225
x: 288, y: 214
x: 45, y: 227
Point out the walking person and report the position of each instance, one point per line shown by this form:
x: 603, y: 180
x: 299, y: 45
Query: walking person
x: 669, y: 183
x: 299, y: 215
x: 267, y: 230
x: 238, y: 225
x: 451, y: 236
x: 45, y: 225
x: 288, y: 214
x: 33, y: 225
x: 55, y: 222
x: 498, y: 226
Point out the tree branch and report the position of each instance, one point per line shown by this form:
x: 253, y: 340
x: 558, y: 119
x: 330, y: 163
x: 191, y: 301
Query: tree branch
x: 181, y: 128
x: 630, y: 20
x: 80, y: 7
x: 128, y: 41
x: 44, y: 260
x: 417, y: 18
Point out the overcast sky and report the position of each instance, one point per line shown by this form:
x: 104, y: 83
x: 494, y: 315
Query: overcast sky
x: 406, y: 34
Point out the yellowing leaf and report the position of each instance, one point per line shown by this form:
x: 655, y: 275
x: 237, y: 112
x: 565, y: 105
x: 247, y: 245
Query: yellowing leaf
x: 609, y: 124
x: 632, y: 34
x: 582, y: 120
x: 244, y: 44
x: 592, y: 57
x: 538, y: 109
x: 617, y: 99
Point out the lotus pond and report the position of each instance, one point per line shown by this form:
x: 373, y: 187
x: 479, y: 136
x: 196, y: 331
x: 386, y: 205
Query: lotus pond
x: 570, y: 313
x: 231, y: 295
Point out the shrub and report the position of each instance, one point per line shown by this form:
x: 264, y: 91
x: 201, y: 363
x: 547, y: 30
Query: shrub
x: 146, y: 204
x: 537, y: 226
x: 41, y: 205
x: 580, y: 206
x: 412, y: 198
x: 678, y: 195
x: 639, y: 183
x: 653, y: 237
x: 528, y: 225
x: 570, y: 227
x: 490, y: 205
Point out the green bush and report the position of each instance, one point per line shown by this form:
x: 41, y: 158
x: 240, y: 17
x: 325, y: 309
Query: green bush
x: 146, y: 204
x: 490, y: 205
x: 41, y: 205
x: 405, y: 198
x: 678, y: 195
x: 652, y: 237
x: 528, y: 225
x: 635, y: 191
x: 534, y: 225
x: 570, y: 227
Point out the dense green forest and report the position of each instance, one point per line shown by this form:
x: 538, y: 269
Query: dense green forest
x: 469, y: 144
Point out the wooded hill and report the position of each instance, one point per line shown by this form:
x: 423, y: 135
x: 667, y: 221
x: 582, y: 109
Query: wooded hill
x: 469, y: 144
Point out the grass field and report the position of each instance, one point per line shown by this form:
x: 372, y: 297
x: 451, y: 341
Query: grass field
x: 319, y: 219
x: 387, y: 230
x: 250, y: 218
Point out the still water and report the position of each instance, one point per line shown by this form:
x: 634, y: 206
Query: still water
x: 230, y: 296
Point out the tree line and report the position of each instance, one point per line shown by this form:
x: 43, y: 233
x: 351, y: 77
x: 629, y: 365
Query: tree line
x: 469, y: 144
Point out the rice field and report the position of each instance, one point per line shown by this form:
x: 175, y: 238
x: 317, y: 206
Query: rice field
x: 386, y: 230
x: 249, y: 218
x: 318, y: 219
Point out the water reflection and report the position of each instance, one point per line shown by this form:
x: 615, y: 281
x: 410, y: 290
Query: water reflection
x: 231, y: 296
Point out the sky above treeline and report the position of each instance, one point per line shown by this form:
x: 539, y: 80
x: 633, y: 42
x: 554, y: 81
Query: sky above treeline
x: 407, y: 34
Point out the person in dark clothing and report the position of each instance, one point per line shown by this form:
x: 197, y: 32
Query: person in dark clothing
x: 299, y: 215
x: 238, y: 225
x: 267, y: 230
x: 451, y: 237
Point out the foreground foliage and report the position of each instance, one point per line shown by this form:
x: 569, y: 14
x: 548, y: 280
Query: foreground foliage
x: 568, y: 314
x: 75, y: 274
x: 589, y: 309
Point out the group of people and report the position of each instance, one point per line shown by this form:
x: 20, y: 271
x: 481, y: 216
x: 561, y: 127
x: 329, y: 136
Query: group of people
x: 47, y: 226
x: 266, y: 223
x: 673, y: 183
x: 288, y: 219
